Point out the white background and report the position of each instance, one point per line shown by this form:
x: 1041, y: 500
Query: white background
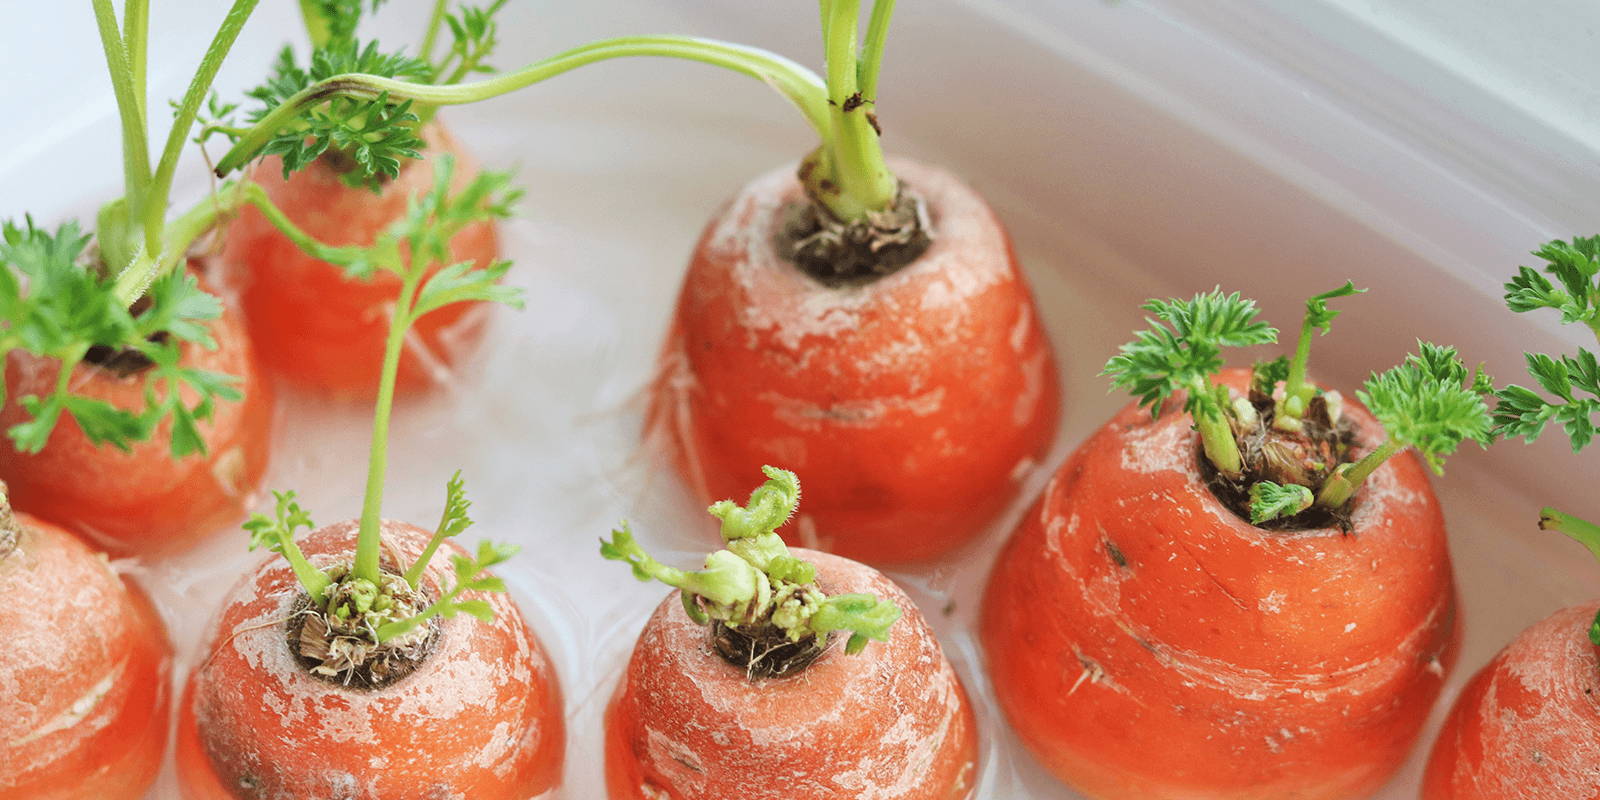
x: 1135, y: 148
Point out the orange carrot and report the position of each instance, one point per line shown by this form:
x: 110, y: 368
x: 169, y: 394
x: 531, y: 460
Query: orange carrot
x: 312, y: 323
x: 143, y: 500
x: 752, y: 709
x: 916, y: 401
x: 479, y: 717
x: 84, y: 689
x: 1528, y: 725
x: 1146, y: 639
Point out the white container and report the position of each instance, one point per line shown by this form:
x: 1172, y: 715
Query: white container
x: 1134, y: 148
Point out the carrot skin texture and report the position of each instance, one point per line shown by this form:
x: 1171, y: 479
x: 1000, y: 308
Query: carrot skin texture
x: 1145, y: 642
x: 911, y: 403
x: 889, y: 723
x: 316, y: 327
x: 481, y: 717
x: 144, y: 502
x: 86, y: 686
x: 1528, y: 724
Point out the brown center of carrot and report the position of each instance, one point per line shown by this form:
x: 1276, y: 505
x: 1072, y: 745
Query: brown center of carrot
x: 840, y: 253
x: 1307, y: 457
x: 344, y: 651
x: 764, y: 651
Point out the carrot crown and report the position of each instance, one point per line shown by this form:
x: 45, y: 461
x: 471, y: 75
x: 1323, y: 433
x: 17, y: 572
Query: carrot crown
x: 1282, y: 449
x: 358, y: 100
x: 755, y: 583
x: 1571, y: 383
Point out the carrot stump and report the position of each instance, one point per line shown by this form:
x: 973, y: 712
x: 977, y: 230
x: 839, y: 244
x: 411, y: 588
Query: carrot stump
x: 1528, y: 724
x: 477, y: 714
x: 143, y: 501
x: 322, y: 330
x: 86, y: 680
x: 1147, y: 642
x: 890, y: 723
x: 912, y: 401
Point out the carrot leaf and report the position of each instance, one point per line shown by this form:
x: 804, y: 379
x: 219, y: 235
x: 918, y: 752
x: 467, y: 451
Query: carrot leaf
x: 866, y: 617
x: 55, y: 305
x: 471, y: 575
x: 452, y: 522
x: 1524, y: 413
x: 1575, y: 292
x: 1182, y: 349
x: 1270, y: 501
x: 474, y: 35
x: 276, y: 533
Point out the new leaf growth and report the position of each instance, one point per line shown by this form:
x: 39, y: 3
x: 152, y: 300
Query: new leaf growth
x: 756, y: 583
x: 1571, y: 382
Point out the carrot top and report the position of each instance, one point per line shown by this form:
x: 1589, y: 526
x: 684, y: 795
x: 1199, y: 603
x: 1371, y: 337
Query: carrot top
x: 755, y: 584
x: 1283, y: 451
x: 359, y: 100
x: 1573, y: 381
x: 362, y: 606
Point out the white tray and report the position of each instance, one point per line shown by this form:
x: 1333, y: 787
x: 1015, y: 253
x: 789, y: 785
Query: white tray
x: 1134, y: 148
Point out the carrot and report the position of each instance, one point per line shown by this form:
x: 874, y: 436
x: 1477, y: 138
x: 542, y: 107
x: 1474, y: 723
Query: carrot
x: 1156, y: 628
x: 115, y: 356
x: 84, y: 689
x: 140, y: 499
x: 870, y: 328
x: 479, y: 716
x: 870, y: 321
x: 734, y: 688
x: 346, y: 671
x: 315, y: 324
x: 1528, y: 725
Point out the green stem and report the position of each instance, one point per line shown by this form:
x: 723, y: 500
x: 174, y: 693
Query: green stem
x: 313, y: 580
x: 1296, y: 392
x: 1580, y: 530
x: 367, y: 542
x: 872, y: 49
x: 401, y: 627
x: 860, y: 180
x: 1348, y: 477
x: 435, y: 20
x: 155, y: 207
x: 1216, y: 435
x: 799, y: 85
x: 136, y: 39
x: 135, y: 146
x: 318, y: 28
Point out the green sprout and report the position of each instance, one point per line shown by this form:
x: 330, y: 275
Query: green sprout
x: 755, y: 582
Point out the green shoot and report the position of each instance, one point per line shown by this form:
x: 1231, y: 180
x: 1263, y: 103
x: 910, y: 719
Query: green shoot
x: 1266, y: 375
x: 276, y: 533
x: 1429, y: 402
x: 452, y: 522
x: 1270, y: 501
x: 53, y: 304
x: 470, y: 576
x: 1573, y: 380
x: 756, y: 582
x: 474, y: 35
x: 1182, y: 351
x: 1297, y: 393
x: 333, y: 21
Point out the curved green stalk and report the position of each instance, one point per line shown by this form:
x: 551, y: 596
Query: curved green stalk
x: 801, y: 86
x: 1578, y: 529
x: 154, y: 208
x: 1348, y: 477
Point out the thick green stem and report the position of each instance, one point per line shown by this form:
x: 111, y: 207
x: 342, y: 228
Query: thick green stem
x: 319, y: 29
x: 855, y: 180
x: 367, y: 541
x: 1348, y: 477
x: 154, y: 208
x: 1296, y: 391
x: 1578, y: 529
x: 135, y: 145
x: 136, y: 39
x: 872, y: 49
x: 799, y: 85
x: 1216, y: 435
